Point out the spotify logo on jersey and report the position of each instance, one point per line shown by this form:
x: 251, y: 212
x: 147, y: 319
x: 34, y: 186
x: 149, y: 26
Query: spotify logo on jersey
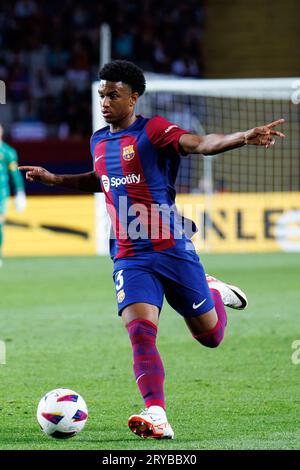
x: 105, y: 182
x: 115, y: 182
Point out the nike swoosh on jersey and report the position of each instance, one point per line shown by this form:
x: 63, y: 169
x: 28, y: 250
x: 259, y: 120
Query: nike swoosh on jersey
x: 98, y: 158
x: 198, y: 305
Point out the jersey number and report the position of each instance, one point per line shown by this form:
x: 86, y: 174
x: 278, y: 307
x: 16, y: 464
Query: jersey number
x: 119, y: 280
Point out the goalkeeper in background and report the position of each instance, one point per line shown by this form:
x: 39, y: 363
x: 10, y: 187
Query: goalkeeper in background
x: 9, y: 169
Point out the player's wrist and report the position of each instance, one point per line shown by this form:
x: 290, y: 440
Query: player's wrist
x: 243, y: 138
x: 57, y: 180
x: 238, y: 140
x: 246, y: 136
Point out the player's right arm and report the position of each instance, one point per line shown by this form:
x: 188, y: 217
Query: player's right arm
x: 163, y: 133
x: 212, y: 144
x: 87, y: 182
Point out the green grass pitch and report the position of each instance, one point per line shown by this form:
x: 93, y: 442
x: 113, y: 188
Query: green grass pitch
x: 59, y: 323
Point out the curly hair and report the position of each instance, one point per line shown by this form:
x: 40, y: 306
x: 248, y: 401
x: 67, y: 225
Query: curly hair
x: 126, y: 72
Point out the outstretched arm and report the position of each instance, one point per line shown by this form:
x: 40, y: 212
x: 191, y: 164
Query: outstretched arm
x: 88, y: 182
x: 212, y: 144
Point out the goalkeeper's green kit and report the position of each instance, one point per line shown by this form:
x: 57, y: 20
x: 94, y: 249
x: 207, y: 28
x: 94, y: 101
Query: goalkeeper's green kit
x: 8, y: 168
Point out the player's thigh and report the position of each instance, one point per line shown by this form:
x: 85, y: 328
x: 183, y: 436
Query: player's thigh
x: 185, y: 285
x: 187, y: 292
x: 139, y: 292
x: 182, y: 299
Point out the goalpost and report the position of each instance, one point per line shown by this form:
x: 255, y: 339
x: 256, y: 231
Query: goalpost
x: 102, y: 219
x: 247, y: 199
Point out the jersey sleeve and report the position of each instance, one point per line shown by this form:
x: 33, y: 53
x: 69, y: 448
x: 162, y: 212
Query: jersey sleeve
x: 12, y: 163
x: 164, y: 134
x: 95, y: 138
x: 92, y: 146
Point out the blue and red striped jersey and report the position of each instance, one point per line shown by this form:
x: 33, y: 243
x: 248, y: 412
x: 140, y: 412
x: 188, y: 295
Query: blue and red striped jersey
x: 137, y: 168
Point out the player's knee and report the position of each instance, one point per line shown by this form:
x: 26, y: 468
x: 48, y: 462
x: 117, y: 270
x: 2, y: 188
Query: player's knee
x: 212, y: 338
x: 142, y: 331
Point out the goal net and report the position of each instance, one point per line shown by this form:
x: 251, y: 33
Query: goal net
x: 247, y: 199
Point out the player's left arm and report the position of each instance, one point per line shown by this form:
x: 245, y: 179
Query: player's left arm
x: 212, y: 144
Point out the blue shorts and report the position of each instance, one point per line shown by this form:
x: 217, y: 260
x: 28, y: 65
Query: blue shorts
x: 148, y: 277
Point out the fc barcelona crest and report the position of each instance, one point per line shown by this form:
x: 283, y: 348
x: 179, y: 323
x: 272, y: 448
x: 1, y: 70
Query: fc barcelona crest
x: 128, y: 152
x: 120, y: 296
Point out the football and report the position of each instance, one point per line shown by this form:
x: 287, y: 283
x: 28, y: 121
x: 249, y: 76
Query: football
x: 62, y: 413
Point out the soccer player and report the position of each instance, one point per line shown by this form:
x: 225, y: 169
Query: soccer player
x: 9, y: 168
x: 136, y: 162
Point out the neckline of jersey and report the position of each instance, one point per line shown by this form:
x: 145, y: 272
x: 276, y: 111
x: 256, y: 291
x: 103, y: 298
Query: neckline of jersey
x: 138, y: 117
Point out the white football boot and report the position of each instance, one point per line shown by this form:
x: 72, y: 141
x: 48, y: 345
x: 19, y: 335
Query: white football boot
x: 232, y: 296
x: 151, y: 424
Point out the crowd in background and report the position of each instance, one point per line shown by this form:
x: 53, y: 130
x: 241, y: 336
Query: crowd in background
x: 50, y: 52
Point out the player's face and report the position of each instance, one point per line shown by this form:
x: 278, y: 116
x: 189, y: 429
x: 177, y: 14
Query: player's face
x: 117, y: 101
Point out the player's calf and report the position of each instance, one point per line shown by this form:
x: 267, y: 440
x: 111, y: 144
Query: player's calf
x: 213, y: 337
x: 209, y: 328
x: 222, y: 294
x: 147, y: 364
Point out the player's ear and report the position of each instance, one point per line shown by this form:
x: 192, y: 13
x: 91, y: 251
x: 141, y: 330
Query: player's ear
x: 133, y: 98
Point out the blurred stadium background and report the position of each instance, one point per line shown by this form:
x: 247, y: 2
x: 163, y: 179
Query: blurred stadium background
x: 50, y: 56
